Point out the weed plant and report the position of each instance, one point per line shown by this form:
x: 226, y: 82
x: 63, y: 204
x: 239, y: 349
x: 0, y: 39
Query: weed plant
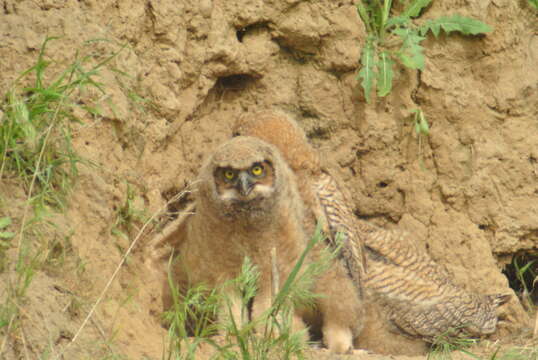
x: 128, y: 215
x: 192, y: 316
x: 396, y: 38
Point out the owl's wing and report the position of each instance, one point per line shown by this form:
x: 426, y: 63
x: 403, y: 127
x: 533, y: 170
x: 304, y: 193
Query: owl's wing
x: 398, y: 248
x: 464, y: 314
x: 334, y: 210
x: 418, y: 293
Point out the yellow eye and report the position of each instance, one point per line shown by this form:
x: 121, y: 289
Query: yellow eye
x: 256, y: 170
x: 229, y: 174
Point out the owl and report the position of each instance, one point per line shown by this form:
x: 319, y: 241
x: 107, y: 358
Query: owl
x: 325, y: 203
x: 410, y: 298
x: 247, y: 204
x: 323, y: 197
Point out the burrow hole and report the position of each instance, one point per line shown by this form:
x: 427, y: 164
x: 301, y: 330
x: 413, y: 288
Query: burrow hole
x: 521, y: 274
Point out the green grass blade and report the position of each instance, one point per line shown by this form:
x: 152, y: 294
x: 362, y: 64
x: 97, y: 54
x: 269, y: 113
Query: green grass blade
x: 365, y: 17
x: 384, y: 75
x: 396, y: 21
x: 367, y: 71
x: 387, y: 4
x: 286, y: 288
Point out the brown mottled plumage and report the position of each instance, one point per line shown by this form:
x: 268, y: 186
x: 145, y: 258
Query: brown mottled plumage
x: 410, y: 298
x: 240, y: 214
x: 318, y: 189
x: 420, y: 296
x: 325, y: 204
x: 246, y: 204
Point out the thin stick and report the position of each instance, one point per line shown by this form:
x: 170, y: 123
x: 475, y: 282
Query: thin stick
x: 116, y: 271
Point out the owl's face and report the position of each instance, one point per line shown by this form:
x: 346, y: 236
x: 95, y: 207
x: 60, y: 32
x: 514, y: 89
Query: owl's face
x: 243, y: 185
x: 243, y: 179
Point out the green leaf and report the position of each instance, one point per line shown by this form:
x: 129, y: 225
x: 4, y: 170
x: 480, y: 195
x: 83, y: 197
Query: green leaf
x: 524, y: 268
x: 4, y: 222
x: 417, y: 128
x: 462, y: 24
x: 7, y: 235
x: 424, y: 127
x: 534, y: 4
x: 384, y: 75
x: 396, y: 21
x: 430, y: 25
x: 415, y: 7
x: 385, y: 11
x: 367, y: 71
x: 410, y: 54
x: 117, y: 232
x: 421, y: 124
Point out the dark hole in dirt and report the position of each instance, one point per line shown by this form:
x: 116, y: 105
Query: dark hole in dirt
x: 240, y: 33
x: 364, y: 217
x: 382, y: 184
x: 234, y: 82
x: 319, y: 133
x: 482, y: 227
x: 175, y: 207
x: 521, y: 273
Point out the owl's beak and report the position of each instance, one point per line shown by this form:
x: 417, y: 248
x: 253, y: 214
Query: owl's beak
x: 244, y: 184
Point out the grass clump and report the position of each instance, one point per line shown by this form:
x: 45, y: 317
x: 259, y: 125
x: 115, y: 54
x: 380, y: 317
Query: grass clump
x: 518, y: 353
x: 36, y: 117
x: 443, y: 345
x: 35, y: 136
x: 395, y: 38
x: 192, y: 317
x: 129, y: 214
x: 5, y: 237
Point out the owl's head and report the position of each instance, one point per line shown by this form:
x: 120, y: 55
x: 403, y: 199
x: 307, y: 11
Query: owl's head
x: 284, y: 133
x: 244, y: 177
